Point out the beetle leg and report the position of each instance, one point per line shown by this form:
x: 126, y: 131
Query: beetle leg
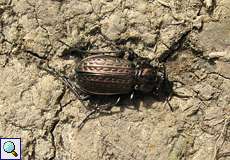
x: 122, y: 52
x: 85, y: 97
x: 136, y: 87
x: 118, y: 100
x: 119, y: 52
x: 98, y: 109
x: 131, y: 55
x: 164, y: 72
x: 83, y: 121
x: 108, y: 106
x: 77, y: 50
x: 132, y: 96
x: 165, y: 81
x: 66, y: 81
x: 170, y: 106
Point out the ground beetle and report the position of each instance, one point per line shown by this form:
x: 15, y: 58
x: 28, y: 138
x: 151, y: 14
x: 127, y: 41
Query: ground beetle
x: 109, y: 74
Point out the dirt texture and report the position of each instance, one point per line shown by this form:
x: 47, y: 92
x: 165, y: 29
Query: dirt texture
x: 191, y: 37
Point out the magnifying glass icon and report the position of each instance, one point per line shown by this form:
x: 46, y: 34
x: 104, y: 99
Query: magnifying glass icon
x: 9, y: 147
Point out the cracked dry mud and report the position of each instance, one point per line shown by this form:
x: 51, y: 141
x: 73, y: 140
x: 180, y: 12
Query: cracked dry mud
x: 191, y: 37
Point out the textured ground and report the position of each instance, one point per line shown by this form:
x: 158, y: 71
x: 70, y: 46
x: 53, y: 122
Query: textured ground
x: 191, y: 37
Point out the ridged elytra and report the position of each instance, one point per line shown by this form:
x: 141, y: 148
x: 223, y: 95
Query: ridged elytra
x: 111, y: 75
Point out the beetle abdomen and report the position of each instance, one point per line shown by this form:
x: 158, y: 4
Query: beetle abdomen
x: 105, y: 75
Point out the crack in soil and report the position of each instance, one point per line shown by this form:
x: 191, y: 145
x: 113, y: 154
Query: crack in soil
x: 221, y: 75
x: 39, y: 25
x: 56, y: 121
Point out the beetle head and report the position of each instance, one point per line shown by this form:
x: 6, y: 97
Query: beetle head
x: 153, y: 79
x: 146, y: 79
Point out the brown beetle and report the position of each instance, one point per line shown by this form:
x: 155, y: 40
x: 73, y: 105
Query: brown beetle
x: 110, y: 75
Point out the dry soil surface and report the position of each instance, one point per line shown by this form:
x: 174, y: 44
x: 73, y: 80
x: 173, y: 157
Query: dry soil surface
x: 192, y: 38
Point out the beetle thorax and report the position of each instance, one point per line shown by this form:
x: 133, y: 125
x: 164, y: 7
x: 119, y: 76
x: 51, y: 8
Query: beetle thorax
x: 145, y: 79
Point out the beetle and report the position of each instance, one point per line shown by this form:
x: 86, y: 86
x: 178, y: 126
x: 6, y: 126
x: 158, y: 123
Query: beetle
x: 109, y: 75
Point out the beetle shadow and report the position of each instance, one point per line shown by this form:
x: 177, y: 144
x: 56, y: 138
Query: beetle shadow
x: 164, y: 93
